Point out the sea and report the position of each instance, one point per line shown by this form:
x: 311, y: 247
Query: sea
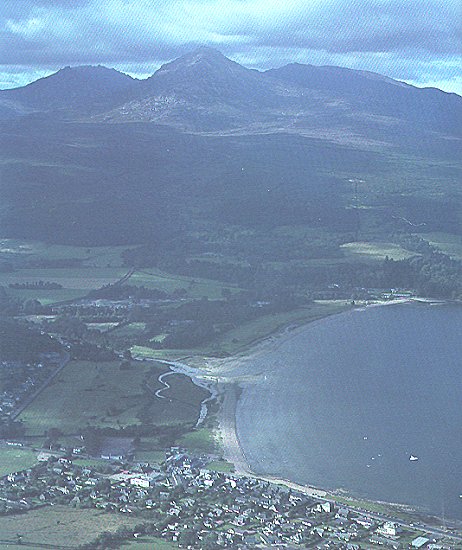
x: 368, y: 401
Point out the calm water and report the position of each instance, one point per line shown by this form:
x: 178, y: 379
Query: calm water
x: 346, y: 402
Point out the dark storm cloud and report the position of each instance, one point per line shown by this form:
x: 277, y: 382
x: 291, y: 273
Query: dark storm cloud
x: 136, y: 34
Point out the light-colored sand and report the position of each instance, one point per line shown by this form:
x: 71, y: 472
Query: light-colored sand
x: 224, y: 377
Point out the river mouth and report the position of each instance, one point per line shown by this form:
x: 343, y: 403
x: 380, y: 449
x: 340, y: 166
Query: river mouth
x: 367, y: 401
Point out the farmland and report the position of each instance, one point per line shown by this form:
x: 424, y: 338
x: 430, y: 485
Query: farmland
x: 96, y: 256
x: 74, y: 282
x: 375, y: 251
x: 15, y: 459
x: 59, y: 527
x: 105, y: 396
x: 194, y: 287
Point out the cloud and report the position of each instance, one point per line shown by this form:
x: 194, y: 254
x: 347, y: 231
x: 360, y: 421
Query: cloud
x: 394, y: 37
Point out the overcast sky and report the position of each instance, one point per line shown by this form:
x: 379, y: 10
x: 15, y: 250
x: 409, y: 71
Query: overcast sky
x: 418, y: 41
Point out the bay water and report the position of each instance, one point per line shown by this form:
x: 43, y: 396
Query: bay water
x: 369, y: 401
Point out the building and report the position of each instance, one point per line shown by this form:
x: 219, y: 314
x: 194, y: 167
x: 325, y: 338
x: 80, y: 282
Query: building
x: 388, y: 529
x: 419, y: 542
x: 146, y: 480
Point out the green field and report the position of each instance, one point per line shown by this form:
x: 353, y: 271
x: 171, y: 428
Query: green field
x: 81, y: 278
x: 201, y: 441
x: 130, y: 330
x: 194, y: 287
x: 375, y: 251
x: 76, y: 282
x: 59, y: 527
x: 101, y: 327
x: 241, y: 338
x: 15, y: 459
x: 103, y: 395
x: 221, y: 466
x: 144, y: 352
x: 100, y: 256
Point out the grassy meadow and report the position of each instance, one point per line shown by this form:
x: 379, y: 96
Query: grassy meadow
x: 102, y: 395
x: 59, y: 527
x: 15, y: 459
x: 375, y: 251
x: 195, y: 288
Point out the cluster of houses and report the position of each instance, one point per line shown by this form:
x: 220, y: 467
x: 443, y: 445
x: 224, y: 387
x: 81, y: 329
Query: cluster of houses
x: 186, y: 503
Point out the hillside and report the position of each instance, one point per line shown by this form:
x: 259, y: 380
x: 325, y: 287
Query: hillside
x: 91, y: 156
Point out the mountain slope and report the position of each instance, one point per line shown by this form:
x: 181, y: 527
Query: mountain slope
x: 84, y: 89
x: 378, y: 95
x: 107, y: 159
x: 204, y: 91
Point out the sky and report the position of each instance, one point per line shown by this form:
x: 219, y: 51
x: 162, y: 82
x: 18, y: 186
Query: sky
x: 418, y: 41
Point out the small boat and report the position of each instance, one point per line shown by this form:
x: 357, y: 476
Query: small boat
x: 413, y: 458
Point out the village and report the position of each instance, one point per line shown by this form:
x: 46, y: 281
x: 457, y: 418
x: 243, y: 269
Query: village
x: 184, y: 502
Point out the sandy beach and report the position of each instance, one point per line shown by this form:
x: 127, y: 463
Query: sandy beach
x: 257, y: 371
x: 226, y: 378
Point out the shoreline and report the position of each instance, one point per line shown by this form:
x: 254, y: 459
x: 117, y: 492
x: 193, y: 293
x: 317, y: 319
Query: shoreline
x: 222, y: 378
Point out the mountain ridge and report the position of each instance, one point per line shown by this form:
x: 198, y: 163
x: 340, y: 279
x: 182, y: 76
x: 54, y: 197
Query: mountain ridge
x: 207, y: 141
x: 205, y: 92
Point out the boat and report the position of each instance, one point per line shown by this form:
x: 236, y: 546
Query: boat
x: 413, y: 458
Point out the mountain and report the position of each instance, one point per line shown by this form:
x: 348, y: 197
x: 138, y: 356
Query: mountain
x: 377, y: 95
x: 203, y: 91
x: 92, y: 156
x: 200, y: 91
x: 76, y: 90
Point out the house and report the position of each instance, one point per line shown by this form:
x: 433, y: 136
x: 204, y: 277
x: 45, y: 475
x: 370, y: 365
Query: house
x: 343, y: 514
x: 326, y: 507
x: 388, y: 529
x: 146, y: 480
x: 116, y: 448
x: 384, y: 541
x: 419, y: 542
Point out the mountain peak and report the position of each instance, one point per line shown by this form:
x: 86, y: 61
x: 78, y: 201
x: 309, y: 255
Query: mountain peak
x: 201, y: 58
x: 80, y: 88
